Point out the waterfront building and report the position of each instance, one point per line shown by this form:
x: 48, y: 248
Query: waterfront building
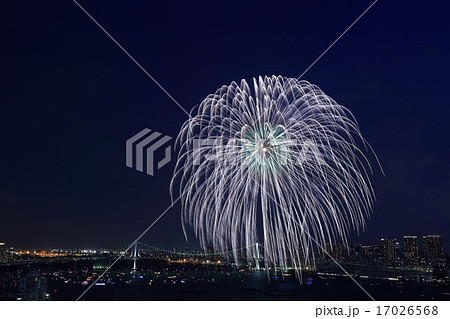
x: 389, y: 250
x: 411, y: 250
x: 432, y: 248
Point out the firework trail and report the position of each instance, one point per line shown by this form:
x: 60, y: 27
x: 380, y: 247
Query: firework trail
x: 279, y: 160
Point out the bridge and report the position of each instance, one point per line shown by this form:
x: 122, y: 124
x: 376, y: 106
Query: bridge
x: 171, y: 253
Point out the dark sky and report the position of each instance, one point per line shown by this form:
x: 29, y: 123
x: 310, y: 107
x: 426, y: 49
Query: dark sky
x: 70, y: 98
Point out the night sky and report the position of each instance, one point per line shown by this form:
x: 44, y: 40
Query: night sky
x: 70, y: 98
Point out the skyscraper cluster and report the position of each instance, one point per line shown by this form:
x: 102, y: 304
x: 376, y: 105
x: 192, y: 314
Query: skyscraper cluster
x: 392, y: 251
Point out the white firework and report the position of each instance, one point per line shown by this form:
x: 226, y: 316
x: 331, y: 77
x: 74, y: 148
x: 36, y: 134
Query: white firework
x: 277, y: 163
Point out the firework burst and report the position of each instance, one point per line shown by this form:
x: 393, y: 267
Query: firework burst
x: 277, y: 163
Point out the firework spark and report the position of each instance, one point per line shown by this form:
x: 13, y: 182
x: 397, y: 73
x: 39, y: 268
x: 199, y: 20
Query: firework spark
x: 279, y: 160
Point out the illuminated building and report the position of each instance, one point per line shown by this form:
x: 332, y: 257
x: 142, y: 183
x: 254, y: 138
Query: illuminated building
x: 371, y: 254
x: 411, y: 250
x: 389, y: 250
x: 432, y: 248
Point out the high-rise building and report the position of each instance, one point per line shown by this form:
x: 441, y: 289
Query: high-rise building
x: 432, y: 248
x: 389, y: 250
x: 371, y: 254
x: 411, y: 250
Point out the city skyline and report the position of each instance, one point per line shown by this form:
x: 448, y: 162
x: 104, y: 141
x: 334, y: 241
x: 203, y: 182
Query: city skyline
x: 418, y: 246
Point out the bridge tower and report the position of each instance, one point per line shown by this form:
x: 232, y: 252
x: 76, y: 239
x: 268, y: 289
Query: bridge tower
x: 135, y: 256
x: 257, y: 256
